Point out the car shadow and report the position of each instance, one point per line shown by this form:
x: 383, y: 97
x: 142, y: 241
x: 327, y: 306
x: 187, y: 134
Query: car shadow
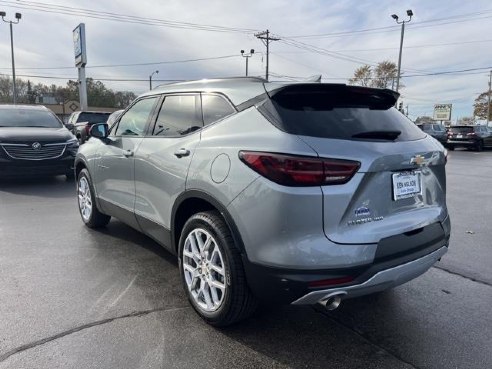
x: 50, y: 187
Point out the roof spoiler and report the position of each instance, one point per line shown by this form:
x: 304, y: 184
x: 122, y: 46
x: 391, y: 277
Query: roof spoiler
x: 374, y: 98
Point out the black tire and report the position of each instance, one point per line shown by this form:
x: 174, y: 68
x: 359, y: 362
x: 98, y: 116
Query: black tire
x: 450, y: 147
x: 238, y: 303
x: 479, y: 145
x: 96, y: 218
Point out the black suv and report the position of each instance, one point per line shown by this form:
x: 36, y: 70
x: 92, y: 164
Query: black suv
x: 476, y: 137
x: 435, y: 130
x: 34, y: 141
x: 80, y: 122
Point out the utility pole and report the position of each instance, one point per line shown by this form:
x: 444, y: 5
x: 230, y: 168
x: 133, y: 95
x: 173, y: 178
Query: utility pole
x: 247, y: 56
x: 18, y: 16
x: 488, y: 99
x: 266, y: 39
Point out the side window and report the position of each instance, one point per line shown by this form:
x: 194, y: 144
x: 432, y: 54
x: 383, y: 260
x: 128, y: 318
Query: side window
x: 133, y: 122
x: 215, y: 107
x: 179, y: 115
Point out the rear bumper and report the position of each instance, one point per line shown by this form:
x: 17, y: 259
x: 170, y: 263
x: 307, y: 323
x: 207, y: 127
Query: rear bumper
x: 397, y: 260
x: 380, y: 281
x: 464, y: 143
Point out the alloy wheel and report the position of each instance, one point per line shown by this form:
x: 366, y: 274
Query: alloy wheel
x: 85, y: 199
x: 204, y: 270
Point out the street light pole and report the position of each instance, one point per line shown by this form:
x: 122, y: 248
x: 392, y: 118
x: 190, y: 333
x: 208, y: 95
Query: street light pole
x: 247, y: 56
x: 395, y: 17
x: 18, y: 16
x: 150, y: 78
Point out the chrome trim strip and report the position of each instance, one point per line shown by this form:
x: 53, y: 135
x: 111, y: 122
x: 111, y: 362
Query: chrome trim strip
x: 380, y: 281
x: 8, y: 144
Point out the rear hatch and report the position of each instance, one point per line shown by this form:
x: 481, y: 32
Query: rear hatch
x: 400, y: 185
x: 461, y: 133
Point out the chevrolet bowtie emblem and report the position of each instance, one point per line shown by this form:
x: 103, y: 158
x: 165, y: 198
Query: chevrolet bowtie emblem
x: 417, y: 160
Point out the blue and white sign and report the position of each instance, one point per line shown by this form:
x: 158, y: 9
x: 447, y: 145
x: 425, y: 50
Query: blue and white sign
x: 79, y: 45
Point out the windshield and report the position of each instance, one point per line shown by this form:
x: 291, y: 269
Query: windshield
x: 28, y: 118
x: 93, y: 117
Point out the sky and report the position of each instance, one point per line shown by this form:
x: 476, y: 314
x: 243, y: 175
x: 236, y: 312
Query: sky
x: 327, y: 38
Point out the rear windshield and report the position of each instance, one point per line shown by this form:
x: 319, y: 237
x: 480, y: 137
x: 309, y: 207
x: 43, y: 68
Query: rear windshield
x: 346, y: 113
x: 28, y: 118
x: 93, y: 117
x: 438, y: 127
x: 461, y: 129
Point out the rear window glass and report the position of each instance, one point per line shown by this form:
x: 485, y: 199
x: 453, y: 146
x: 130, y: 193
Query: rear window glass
x: 344, y: 114
x: 28, y: 118
x: 93, y: 117
x: 461, y: 129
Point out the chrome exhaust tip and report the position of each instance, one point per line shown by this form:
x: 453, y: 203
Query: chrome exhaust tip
x: 332, y: 302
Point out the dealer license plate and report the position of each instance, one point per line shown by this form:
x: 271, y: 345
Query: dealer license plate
x: 406, y: 184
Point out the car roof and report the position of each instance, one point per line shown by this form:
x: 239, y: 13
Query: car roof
x: 23, y: 107
x: 237, y: 89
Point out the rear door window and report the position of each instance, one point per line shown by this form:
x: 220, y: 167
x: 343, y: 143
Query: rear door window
x: 179, y: 115
x: 93, y: 118
x: 345, y: 113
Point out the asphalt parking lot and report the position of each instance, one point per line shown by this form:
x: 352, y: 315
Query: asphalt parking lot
x: 71, y: 297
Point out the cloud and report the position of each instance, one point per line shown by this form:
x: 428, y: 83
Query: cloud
x: 44, y: 40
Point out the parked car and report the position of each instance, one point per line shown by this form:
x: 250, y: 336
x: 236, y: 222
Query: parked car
x: 435, y: 130
x: 33, y: 141
x: 475, y: 137
x: 80, y: 122
x: 285, y: 193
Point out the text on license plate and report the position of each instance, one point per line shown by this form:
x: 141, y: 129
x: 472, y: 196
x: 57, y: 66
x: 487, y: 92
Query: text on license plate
x: 406, y: 184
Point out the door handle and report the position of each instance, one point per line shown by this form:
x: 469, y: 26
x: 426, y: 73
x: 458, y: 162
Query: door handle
x: 128, y: 153
x: 182, y: 152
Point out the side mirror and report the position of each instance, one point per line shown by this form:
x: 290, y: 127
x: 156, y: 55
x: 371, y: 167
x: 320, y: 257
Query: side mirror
x: 70, y: 126
x: 99, y: 130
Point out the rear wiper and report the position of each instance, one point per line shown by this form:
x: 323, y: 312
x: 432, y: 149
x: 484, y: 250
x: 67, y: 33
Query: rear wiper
x: 378, y: 135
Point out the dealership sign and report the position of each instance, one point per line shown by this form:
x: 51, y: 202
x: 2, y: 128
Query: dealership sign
x: 442, y: 111
x: 79, y: 45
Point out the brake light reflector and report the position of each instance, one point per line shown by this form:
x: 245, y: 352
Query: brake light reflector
x: 330, y: 282
x: 290, y: 170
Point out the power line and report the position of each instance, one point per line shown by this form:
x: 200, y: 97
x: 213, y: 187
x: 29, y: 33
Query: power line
x: 133, y: 64
x: 118, y: 17
x: 421, y: 24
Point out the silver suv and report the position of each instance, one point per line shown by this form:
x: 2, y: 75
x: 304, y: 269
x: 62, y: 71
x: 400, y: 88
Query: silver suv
x: 290, y: 193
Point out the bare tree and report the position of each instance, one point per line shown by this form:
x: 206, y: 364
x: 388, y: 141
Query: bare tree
x: 480, y: 107
x: 362, y: 76
x: 382, y: 76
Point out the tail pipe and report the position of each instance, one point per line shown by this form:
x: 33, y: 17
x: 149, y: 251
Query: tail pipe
x: 332, y: 301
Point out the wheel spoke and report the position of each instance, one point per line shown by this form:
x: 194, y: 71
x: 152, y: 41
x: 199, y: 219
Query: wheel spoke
x: 216, y: 284
x: 199, y: 240
x: 206, y: 295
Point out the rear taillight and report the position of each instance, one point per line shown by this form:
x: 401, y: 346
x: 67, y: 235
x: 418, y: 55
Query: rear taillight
x: 290, y: 170
x: 87, y: 129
